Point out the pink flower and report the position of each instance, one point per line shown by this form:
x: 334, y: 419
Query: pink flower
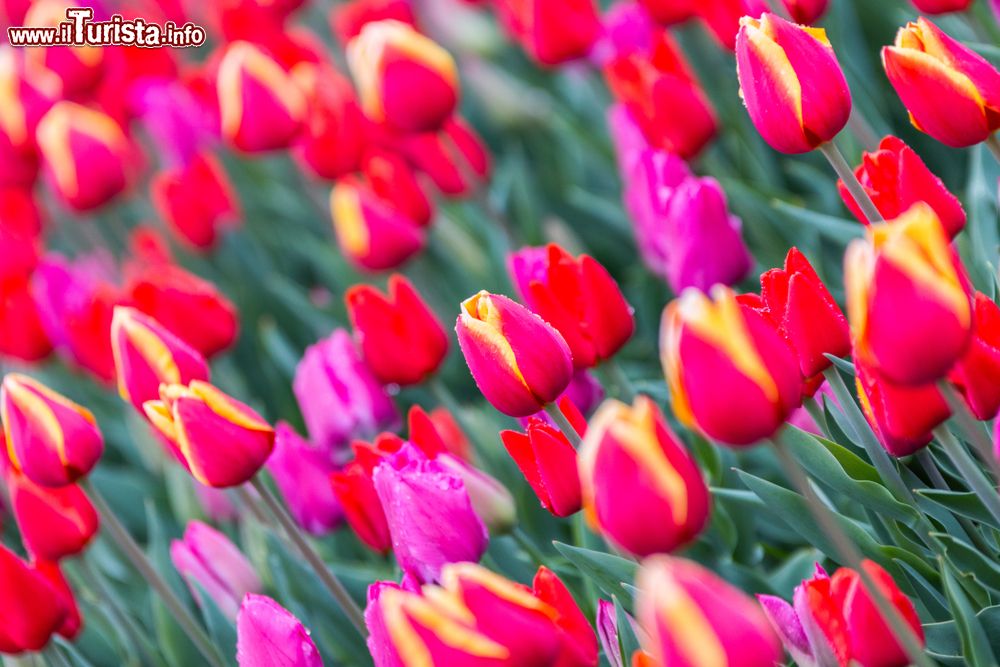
x: 267, y: 635
x: 302, y: 473
x: 208, y: 559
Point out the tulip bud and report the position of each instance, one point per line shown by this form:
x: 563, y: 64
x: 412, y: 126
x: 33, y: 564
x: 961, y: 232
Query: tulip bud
x: 363, y: 511
x: 548, y: 462
x: 834, y: 620
x: 805, y: 12
x: 50, y: 571
x: 668, y: 12
x: 268, y: 635
x: 196, y: 200
x: 977, y: 373
x: 371, y: 232
x: 518, y: 361
x: 429, y: 514
x: 455, y: 159
x: 302, y: 473
x: 805, y: 314
x: 730, y: 373
x: 31, y: 609
x: 630, y: 459
x: 190, y: 307
x: 395, y: 181
x: 21, y: 333
x: 907, y: 299
x: 55, y: 522
x: 333, y: 138
x: 896, y: 178
x: 791, y: 83
x: 437, y: 432
x: 951, y: 92
x: 210, y: 562
x: 349, y: 18
x: 722, y: 17
x: 400, y: 337
x: 941, y: 6
x: 551, y: 31
x: 691, y: 617
x: 902, y: 418
x: 86, y: 152
x: 261, y: 108
x: 50, y: 439
x: 147, y: 355
x: 222, y: 442
x: 20, y: 213
x: 578, y: 297
x: 78, y: 68
x: 339, y: 397
x: 404, y: 79
x: 664, y: 97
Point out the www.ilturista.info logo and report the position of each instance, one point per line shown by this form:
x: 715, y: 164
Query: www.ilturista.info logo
x: 81, y: 30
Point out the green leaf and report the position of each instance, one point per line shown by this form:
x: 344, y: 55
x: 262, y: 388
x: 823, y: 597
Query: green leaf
x: 836, y: 229
x: 962, y: 503
x: 606, y: 570
x: 969, y: 560
x: 626, y: 633
x: 927, y: 593
x: 945, y: 644
x: 220, y: 628
x: 972, y: 637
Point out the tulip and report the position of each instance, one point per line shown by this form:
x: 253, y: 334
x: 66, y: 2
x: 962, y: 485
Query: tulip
x: 805, y: 12
x: 404, y: 79
x: 393, y: 179
x: 371, y: 232
x: 647, y: 175
x: 261, y: 108
x: 429, y: 513
x: 551, y: 31
x: 941, y: 6
x: 20, y: 213
x: 401, y: 339
x: 349, y: 18
x: 455, y: 159
x: 664, y: 98
x: 27, y: 93
x: 212, y: 564
x: 691, y: 617
x: 627, y: 28
x: 630, y: 459
x: 519, y: 362
x: 191, y: 308
x: 302, y: 473
x: 87, y: 154
x: 437, y: 432
x: 791, y: 83
x: 333, y: 138
x: 730, y: 373
x: 221, y: 441
x: 147, y: 355
x: 548, y: 462
x: 902, y: 418
x: 668, y: 12
x: 362, y: 508
x: 722, y: 17
x: 196, y: 200
x: 804, y: 312
x: 578, y: 297
x: 907, y: 299
x: 339, y: 397
x: 31, y: 609
x: 478, y: 617
x: 268, y: 635
x: 80, y: 68
x: 951, y: 92
x: 21, y: 333
x: 50, y: 439
x: 55, y: 522
x: 833, y: 620
x: 977, y: 373
x: 50, y: 571
x: 896, y: 178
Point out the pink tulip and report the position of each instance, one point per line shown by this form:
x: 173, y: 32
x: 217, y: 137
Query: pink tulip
x: 209, y: 559
x: 302, y: 473
x: 267, y: 635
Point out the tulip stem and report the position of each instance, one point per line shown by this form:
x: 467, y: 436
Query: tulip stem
x: 815, y: 411
x: 619, y: 379
x: 971, y: 427
x: 141, y: 563
x: 54, y: 657
x: 849, y: 555
x: 330, y: 581
x: 564, y: 425
x: 971, y: 472
x: 994, y: 145
x: 846, y: 174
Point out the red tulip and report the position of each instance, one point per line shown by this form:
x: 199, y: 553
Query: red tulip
x: 348, y: 18
x: 31, y: 609
x: 722, y: 17
x: 78, y: 68
x: 21, y: 333
x: 50, y: 571
x: 805, y: 12
x: 551, y: 31
x: 902, y: 418
x: 669, y: 12
x: 196, y: 200
x: 455, y: 159
x: 437, y: 432
x: 333, y: 138
x: 55, y: 522
x: 395, y: 181
x: 941, y: 6
x: 363, y: 511
x: 977, y: 373
x: 371, y: 233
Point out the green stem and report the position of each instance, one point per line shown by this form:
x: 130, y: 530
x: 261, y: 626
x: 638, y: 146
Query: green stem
x: 527, y: 545
x: 329, y: 580
x: 994, y: 146
x: 135, y: 554
x: 54, y: 656
x: 849, y: 555
x: 846, y: 174
x: 560, y: 420
x: 862, y: 130
x: 619, y: 379
x: 972, y: 428
x: 927, y: 462
x: 970, y: 472
x: 815, y: 411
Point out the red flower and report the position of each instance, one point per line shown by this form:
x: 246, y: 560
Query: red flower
x: 54, y: 522
x: 977, y: 373
x: 355, y: 492
x: 196, y: 200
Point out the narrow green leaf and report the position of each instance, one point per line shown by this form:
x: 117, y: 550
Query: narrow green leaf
x: 974, y: 641
x: 606, y: 570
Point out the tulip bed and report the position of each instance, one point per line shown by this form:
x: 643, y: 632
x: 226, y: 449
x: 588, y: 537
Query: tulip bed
x: 491, y: 333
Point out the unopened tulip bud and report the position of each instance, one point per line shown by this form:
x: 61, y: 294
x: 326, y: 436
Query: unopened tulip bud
x: 22, y: 335
x: 908, y: 298
x: 79, y: 69
x: 222, y: 442
x: 805, y: 12
x: 631, y: 460
x: 333, y: 138
x: 196, y: 200
x: 437, y: 432
x: 941, y: 6
x: 730, y: 373
x: 55, y: 522
x: 31, y: 609
x: 551, y: 31
x: 548, y: 462
x: 977, y: 373
x: 791, y: 83
x: 147, y: 355
x: 896, y: 178
x: 50, y: 439
x: 520, y: 362
x: 399, y: 335
x: 372, y: 233
x: 363, y: 511
x: 902, y: 418
x: 404, y: 79
x: 261, y: 107
x: 87, y: 154
x: 51, y: 572
x: 578, y: 297
x: 393, y: 179
x: 456, y: 159
x: 951, y: 92
x: 210, y: 562
x: 691, y: 618
x: 268, y: 635
x: 302, y: 473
